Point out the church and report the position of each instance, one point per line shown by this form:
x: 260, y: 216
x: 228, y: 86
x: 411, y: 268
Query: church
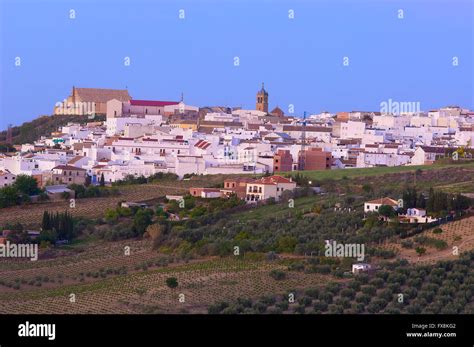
x: 262, y: 103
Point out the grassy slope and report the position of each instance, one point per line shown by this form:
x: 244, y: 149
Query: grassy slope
x: 376, y: 171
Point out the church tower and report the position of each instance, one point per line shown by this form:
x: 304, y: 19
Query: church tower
x: 262, y: 100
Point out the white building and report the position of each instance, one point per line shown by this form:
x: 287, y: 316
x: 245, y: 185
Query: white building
x: 6, y: 178
x: 374, y: 205
x: 268, y: 187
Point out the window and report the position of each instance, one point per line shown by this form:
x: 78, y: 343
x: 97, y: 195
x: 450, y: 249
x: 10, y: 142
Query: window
x: 69, y: 179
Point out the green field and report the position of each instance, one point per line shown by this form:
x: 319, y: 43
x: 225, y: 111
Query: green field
x: 374, y: 171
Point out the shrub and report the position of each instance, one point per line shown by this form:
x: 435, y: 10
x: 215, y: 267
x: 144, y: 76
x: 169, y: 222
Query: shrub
x: 335, y: 309
x: 312, y: 292
x: 326, y: 297
x: 283, y: 305
x: 420, y: 250
x: 172, y: 282
x: 268, y: 300
x: 362, y: 298
x: 347, y: 293
x: 260, y: 307
x: 217, y: 307
x: 305, y: 301
x: 296, y: 267
x: 320, y: 306
x: 277, y: 275
x: 244, y: 302
x: 368, y: 289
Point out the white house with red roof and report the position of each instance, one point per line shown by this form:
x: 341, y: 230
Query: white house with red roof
x: 268, y: 187
x: 374, y: 205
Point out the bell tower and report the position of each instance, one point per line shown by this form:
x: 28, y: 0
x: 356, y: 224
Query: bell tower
x: 262, y: 100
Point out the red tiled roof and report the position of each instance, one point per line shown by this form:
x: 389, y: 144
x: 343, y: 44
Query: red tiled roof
x: 274, y: 180
x: 202, y: 144
x: 152, y: 103
x: 383, y: 201
x: 67, y: 167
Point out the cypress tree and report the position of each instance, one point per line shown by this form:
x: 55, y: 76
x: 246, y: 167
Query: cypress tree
x: 46, y: 223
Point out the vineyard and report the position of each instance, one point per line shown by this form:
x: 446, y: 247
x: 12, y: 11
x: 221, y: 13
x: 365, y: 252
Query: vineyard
x: 201, y: 283
x: 457, y: 234
x: 133, y: 275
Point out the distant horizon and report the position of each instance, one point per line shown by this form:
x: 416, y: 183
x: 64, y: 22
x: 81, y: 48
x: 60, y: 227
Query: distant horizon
x: 300, y: 60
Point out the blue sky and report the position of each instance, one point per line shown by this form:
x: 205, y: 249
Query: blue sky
x: 300, y: 60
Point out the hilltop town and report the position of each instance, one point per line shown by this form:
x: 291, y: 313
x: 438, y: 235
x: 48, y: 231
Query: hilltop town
x: 146, y: 137
x: 162, y: 207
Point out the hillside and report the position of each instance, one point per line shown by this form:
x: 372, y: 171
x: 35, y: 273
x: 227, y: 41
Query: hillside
x: 379, y: 171
x: 42, y: 126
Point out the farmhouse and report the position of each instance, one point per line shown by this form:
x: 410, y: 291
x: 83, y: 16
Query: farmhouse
x: 373, y: 205
x: 268, y: 187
